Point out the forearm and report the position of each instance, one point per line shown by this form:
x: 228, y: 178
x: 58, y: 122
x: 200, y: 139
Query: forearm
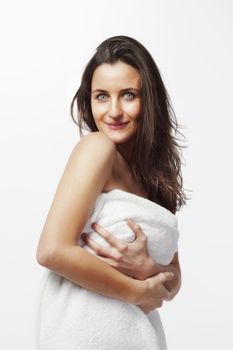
x: 152, y: 268
x: 85, y: 269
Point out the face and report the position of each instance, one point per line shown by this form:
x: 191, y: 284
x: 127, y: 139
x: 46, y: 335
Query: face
x: 116, y: 101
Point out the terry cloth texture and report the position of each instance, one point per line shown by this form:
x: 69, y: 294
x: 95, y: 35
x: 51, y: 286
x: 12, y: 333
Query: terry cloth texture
x: 73, y: 318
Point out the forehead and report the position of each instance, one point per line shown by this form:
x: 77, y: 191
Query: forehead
x: 115, y: 75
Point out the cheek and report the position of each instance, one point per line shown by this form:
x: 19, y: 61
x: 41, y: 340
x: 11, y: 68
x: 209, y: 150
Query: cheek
x: 98, y: 109
x: 133, y: 109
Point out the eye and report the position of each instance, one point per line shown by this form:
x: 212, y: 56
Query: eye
x: 101, y: 97
x: 129, y: 95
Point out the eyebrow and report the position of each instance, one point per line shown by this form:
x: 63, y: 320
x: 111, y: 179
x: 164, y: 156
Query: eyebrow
x: 130, y: 88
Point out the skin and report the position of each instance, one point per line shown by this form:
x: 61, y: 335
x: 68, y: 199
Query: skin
x: 133, y: 259
x: 58, y: 249
x: 116, y: 98
x: 84, y: 179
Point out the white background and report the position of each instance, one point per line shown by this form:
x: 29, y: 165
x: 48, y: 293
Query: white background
x: 44, y: 48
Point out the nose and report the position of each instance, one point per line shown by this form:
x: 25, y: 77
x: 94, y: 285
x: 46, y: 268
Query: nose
x: 115, y: 109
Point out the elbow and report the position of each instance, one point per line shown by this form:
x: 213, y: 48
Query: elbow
x: 45, y: 257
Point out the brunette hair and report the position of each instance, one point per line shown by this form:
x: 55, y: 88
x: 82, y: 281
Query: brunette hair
x: 156, y: 160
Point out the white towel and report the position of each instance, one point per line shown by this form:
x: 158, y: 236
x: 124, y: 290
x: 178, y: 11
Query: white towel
x: 73, y: 318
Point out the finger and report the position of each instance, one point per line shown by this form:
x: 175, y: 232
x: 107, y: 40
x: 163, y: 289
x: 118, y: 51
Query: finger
x: 166, y: 295
x: 136, y: 228
x: 110, y: 238
x: 101, y: 250
x: 159, y: 303
x: 163, y: 277
x: 107, y: 260
x: 162, y: 293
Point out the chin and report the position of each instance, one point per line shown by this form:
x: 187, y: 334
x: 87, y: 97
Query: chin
x: 120, y: 139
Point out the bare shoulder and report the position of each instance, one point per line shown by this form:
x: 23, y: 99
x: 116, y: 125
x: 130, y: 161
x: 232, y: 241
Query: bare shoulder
x: 96, y: 142
x: 88, y: 168
x: 94, y: 153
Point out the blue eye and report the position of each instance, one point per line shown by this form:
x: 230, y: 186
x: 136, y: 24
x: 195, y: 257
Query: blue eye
x: 130, y: 95
x: 100, y: 97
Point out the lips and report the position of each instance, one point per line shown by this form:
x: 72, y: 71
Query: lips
x: 116, y: 126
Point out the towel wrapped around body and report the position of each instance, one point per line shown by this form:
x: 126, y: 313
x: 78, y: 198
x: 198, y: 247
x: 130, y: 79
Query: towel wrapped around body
x: 71, y: 317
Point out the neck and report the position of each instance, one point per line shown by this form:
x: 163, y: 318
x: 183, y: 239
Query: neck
x: 125, y: 153
x: 126, y: 150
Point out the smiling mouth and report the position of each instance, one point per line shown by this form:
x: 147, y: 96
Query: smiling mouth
x: 117, y: 126
x: 117, y: 123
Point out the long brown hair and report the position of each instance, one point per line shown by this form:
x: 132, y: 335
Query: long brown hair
x: 156, y: 159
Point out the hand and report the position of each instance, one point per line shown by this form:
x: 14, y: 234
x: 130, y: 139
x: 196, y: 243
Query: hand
x: 130, y: 258
x: 153, y: 292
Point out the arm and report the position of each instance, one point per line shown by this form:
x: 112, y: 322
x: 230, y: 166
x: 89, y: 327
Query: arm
x: 132, y: 258
x: 152, y: 268
x: 149, y: 267
x: 57, y: 250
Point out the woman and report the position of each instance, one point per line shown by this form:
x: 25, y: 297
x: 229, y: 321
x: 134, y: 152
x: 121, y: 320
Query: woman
x: 103, y: 292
